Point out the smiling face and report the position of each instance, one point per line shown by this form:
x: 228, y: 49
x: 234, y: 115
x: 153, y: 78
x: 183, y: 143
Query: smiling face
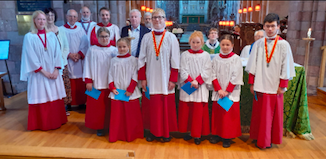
x: 213, y: 35
x: 226, y: 45
x: 50, y: 17
x: 196, y: 44
x: 158, y: 21
x: 40, y: 21
x: 72, y: 17
x: 105, y: 16
x: 103, y: 38
x: 271, y: 28
x: 122, y: 47
x: 134, y: 19
x: 86, y: 13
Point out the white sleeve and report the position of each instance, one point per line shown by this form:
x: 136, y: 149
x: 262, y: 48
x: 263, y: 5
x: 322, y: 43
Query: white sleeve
x: 252, y: 62
x: 87, y: 73
x: 117, y: 33
x: 237, y: 74
x: 175, y: 52
x: 287, y: 68
x: 65, y: 44
x: 84, y: 44
x: 111, y: 72
x: 142, y: 53
x: 184, y: 70
x: 207, y: 70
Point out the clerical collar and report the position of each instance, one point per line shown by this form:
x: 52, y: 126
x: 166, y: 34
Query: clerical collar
x: 41, y: 31
x: 103, y: 45
x: 71, y: 26
x: 221, y: 52
x: 102, y: 25
x: 227, y: 55
x: 158, y: 30
x: 125, y: 55
x: 85, y: 21
x: 132, y: 28
x: 271, y: 38
x: 195, y: 52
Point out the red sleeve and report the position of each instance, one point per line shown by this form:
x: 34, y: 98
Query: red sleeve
x: 251, y: 78
x: 142, y: 73
x: 88, y: 80
x: 284, y: 83
x: 216, y: 85
x: 38, y: 70
x: 58, y: 67
x: 174, y: 75
x: 189, y: 79
x: 81, y: 54
x: 132, y: 86
x: 68, y: 55
x: 111, y: 86
x: 230, y: 87
x: 200, y: 80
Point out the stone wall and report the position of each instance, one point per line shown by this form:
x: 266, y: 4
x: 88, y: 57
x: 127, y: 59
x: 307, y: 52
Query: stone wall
x: 304, y: 15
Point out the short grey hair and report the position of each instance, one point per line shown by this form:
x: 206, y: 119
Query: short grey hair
x: 256, y: 32
x: 68, y: 12
x: 135, y: 10
x: 147, y: 14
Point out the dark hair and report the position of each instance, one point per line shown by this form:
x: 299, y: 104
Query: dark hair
x: 227, y: 37
x: 271, y: 17
x: 104, y: 8
x: 48, y: 10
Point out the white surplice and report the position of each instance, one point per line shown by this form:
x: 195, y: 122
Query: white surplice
x: 77, y: 40
x: 122, y: 71
x: 97, y: 65
x: 227, y: 70
x: 281, y: 66
x: 194, y: 65
x: 245, y: 51
x: 86, y: 25
x: 158, y: 71
x: 40, y: 89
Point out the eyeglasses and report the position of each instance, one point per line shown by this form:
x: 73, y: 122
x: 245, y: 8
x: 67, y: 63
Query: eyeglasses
x: 270, y: 26
x: 104, y: 37
x: 158, y: 17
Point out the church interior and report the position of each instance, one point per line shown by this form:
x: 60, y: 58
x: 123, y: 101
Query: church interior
x: 304, y: 134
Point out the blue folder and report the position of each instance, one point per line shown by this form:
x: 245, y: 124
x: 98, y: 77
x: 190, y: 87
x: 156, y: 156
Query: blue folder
x: 188, y: 89
x: 225, y: 103
x: 147, y: 93
x: 94, y: 93
x: 121, y: 96
x: 255, y: 96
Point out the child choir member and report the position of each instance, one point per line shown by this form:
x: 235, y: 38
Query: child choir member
x: 195, y: 67
x: 270, y: 66
x: 158, y: 66
x: 126, y: 121
x: 227, y: 80
x: 40, y: 64
x: 96, y: 70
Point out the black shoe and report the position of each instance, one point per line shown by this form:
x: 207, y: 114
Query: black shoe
x: 226, y: 143
x: 100, y: 132
x: 68, y: 107
x: 187, y: 137
x: 197, y: 141
x: 214, y: 139
x: 166, y: 139
x: 262, y: 148
x: 150, y: 137
x: 82, y: 106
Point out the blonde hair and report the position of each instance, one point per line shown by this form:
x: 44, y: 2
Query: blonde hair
x: 159, y: 10
x: 198, y: 34
x: 128, y: 42
x: 102, y: 29
x: 33, y: 26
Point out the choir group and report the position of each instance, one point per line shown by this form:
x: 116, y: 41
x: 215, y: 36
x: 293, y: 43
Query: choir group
x: 61, y: 63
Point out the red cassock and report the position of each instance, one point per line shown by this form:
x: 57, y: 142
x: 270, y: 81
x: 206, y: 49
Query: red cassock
x: 78, y: 88
x: 159, y: 114
x: 255, y: 116
x: 93, y: 38
x: 126, y: 121
x: 97, y: 114
x: 46, y: 116
x: 194, y: 117
x: 226, y: 124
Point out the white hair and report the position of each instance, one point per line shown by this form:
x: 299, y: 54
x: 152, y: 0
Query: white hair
x: 148, y: 14
x: 256, y: 32
x: 135, y: 10
x: 81, y: 9
x: 68, y: 12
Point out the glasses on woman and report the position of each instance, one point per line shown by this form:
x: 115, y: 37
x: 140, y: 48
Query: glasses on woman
x: 104, y: 37
x: 158, y: 17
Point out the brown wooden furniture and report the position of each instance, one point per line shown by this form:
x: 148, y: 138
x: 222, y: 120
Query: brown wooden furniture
x: 2, y: 102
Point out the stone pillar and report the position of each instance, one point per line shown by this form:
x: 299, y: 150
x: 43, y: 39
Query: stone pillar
x: 302, y: 16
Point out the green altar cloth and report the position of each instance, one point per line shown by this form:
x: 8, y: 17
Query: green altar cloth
x: 296, y: 115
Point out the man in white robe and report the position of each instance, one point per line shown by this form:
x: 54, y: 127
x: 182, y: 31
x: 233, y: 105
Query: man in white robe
x: 158, y: 67
x: 85, y: 21
x: 247, y: 49
x: 78, y: 45
x: 114, y: 30
x: 270, y: 68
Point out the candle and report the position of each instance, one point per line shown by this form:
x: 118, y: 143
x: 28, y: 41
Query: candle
x: 309, y: 33
x: 129, y: 32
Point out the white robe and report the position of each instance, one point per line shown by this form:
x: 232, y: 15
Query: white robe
x: 245, y: 51
x: 77, y: 40
x: 40, y: 89
x: 158, y: 71
x: 227, y: 70
x: 281, y: 66
x: 91, y: 25
x: 64, y: 45
x: 122, y: 70
x: 113, y: 29
x: 195, y: 65
x: 97, y: 65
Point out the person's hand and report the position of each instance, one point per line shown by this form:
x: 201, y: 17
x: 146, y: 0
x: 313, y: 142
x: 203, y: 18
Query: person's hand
x: 194, y: 83
x: 55, y: 74
x: 114, y: 91
x: 143, y: 85
x: 280, y: 90
x: 252, y: 89
x: 222, y: 93
x: 46, y: 74
x: 71, y: 56
x: 171, y: 85
x: 89, y: 86
x: 128, y: 93
x: 78, y: 56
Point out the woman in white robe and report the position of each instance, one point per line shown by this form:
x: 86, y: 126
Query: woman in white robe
x: 40, y: 64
